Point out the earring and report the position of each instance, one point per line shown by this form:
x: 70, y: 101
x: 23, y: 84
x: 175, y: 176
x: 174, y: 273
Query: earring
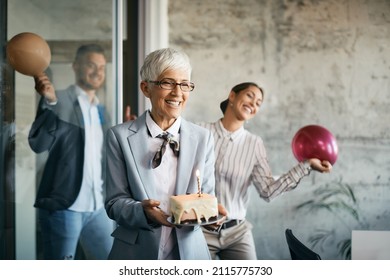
x: 231, y: 104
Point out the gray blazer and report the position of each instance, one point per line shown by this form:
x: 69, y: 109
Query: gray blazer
x: 59, y: 129
x: 130, y: 180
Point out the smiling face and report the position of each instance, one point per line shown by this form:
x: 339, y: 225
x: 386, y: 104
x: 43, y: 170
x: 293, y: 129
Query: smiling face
x: 246, y: 103
x: 90, y: 71
x: 167, y: 104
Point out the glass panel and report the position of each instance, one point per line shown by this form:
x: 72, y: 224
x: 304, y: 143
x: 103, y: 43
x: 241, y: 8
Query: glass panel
x: 65, y: 25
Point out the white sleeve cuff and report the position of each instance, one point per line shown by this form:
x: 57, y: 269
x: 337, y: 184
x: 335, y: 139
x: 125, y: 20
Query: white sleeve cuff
x: 51, y: 103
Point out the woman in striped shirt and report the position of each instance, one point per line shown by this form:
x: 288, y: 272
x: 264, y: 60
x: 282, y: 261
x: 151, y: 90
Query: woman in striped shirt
x: 241, y: 161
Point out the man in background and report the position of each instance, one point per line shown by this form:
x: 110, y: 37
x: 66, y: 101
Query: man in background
x: 70, y: 124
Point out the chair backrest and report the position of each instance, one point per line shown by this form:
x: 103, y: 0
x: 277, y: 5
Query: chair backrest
x: 298, y: 250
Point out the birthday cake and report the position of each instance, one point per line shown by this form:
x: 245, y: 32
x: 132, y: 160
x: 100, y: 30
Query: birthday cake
x: 193, y: 208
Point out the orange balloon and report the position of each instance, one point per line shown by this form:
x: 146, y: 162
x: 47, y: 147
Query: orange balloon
x: 28, y: 53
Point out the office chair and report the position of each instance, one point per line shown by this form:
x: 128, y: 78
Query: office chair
x: 298, y: 250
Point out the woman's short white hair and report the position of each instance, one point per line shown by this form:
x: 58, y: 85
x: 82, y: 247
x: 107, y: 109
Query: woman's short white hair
x: 161, y: 60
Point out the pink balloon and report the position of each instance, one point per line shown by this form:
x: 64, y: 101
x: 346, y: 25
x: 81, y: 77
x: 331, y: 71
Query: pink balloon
x: 314, y: 141
x: 28, y: 53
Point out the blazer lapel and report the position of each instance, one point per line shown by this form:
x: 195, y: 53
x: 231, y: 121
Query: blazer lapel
x: 74, y: 102
x: 136, y: 140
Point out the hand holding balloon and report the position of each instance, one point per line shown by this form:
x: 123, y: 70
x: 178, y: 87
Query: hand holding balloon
x: 320, y: 166
x: 45, y: 88
x: 315, y: 142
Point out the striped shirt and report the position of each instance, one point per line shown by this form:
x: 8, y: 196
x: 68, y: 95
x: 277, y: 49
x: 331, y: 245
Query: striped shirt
x: 241, y: 161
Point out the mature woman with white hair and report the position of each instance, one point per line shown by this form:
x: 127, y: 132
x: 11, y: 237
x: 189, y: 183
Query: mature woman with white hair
x: 139, y: 185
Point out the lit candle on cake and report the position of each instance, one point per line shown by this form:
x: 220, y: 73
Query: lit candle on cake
x: 198, y: 179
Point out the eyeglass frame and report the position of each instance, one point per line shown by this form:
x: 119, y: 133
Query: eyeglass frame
x: 159, y: 83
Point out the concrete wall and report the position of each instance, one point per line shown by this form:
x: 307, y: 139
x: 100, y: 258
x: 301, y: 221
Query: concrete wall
x: 320, y: 62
